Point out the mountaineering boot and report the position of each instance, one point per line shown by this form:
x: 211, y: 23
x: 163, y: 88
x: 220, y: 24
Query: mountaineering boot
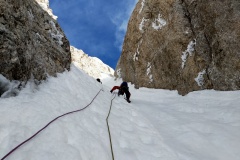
x: 128, y: 100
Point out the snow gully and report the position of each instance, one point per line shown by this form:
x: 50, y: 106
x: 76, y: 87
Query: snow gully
x: 14, y: 149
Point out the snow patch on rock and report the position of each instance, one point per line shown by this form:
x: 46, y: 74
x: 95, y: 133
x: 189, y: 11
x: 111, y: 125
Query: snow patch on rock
x: 142, y: 3
x: 45, y: 5
x: 149, y: 72
x: 159, y: 22
x: 141, y: 25
x: 200, y: 79
x: 188, y: 52
x: 119, y: 73
x: 135, y: 56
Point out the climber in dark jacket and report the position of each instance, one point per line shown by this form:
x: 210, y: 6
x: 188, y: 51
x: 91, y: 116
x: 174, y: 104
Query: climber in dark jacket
x: 123, y: 88
x: 98, y: 79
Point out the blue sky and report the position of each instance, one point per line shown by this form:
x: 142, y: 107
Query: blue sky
x: 97, y: 27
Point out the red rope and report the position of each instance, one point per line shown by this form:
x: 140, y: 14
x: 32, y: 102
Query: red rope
x: 48, y: 125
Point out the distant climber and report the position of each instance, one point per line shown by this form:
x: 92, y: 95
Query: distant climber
x: 123, y: 88
x: 98, y: 79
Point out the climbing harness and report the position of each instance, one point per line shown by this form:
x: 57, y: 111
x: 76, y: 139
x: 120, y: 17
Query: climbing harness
x: 48, y: 125
x: 109, y: 133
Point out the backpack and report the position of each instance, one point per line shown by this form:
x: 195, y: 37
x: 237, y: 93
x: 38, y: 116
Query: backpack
x: 124, y: 84
x: 123, y: 87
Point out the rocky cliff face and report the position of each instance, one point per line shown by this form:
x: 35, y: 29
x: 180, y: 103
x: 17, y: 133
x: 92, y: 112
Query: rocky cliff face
x: 31, y: 42
x: 91, y: 65
x: 185, y: 45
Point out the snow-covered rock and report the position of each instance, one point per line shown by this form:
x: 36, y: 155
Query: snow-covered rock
x: 93, y: 66
x: 45, y: 5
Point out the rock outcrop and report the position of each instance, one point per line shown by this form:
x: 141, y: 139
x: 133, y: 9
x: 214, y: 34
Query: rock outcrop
x: 31, y: 42
x: 183, y: 45
x: 45, y: 5
x: 93, y: 66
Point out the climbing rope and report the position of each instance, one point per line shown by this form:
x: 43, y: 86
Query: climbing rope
x: 14, y: 149
x: 109, y: 133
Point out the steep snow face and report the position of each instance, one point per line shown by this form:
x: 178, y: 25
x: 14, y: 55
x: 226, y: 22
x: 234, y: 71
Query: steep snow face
x: 156, y: 125
x: 91, y: 65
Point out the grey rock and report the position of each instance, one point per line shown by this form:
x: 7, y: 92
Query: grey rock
x: 183, y: 45
x: 31, y: 42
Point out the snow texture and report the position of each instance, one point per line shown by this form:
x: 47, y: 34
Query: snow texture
x: 137, y: 53
x: 157, y: 125
x: 135, y: 58
x: 142, y: 5
x: 149, y: 72
x: 8, y: 88
x: 141, y: 25
x: 188, y: 52
x: 159, y: 22
x: 119, y: 73
x: 200, y: 79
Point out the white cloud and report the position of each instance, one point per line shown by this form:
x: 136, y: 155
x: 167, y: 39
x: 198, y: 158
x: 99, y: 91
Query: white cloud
x: 120, y: 19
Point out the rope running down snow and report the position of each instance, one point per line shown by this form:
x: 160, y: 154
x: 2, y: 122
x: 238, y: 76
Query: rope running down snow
x: 109, y: 128
x: 49, y: 124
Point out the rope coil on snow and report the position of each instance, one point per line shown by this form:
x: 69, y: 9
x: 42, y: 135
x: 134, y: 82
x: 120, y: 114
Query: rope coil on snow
x: 14, y: 149
x: 109, y: 133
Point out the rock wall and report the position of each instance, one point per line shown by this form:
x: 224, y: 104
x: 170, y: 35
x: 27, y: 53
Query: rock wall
x: 31, y: 42
x: 93, y: 66
x: 183, y: 45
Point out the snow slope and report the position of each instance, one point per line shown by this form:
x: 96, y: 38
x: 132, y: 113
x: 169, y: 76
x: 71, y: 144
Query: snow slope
x: 157, y: 125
